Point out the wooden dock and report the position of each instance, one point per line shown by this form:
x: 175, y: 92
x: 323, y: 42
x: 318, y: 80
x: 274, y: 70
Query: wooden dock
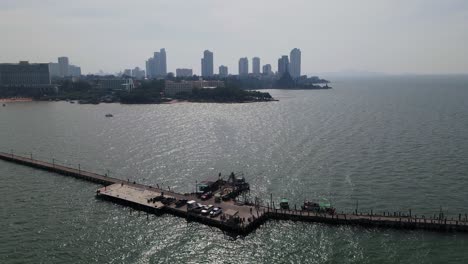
x: 236, y: 218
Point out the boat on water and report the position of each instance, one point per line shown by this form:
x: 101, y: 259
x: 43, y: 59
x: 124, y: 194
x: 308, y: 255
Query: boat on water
x: 109, y: 115
x: 4, y: 105
x: 323, y: 206
x: 284, y: 204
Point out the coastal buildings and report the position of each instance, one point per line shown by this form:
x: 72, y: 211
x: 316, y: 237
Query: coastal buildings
x: 156, y: 67
x: 184, y: 72
x: 223, y: 71
x: 24, y: 74
x: 266, y: 70
x: 138, y: 73
x: 127, y: 72
x: 243, y: 66
x: 207, y: 64
x: 117, y: 84
x: 172, y: 88
x: 256, y: 66
x: 283, y: 65
x: 63, y: 66
x: 54, y: 69
x: 74, y: 71
x: 295, y: 63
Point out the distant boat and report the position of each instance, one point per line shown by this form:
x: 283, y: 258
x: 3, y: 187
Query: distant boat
x: 4, y: 105
x: 72, y: 102
x: 284, y: 204
x: 109, y: 115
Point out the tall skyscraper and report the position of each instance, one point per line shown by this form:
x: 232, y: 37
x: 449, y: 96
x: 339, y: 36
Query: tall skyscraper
x: 267, y: 69
x: 150, y: 68
x: 256, y: 66
x: 162, y: 62
x: 156, y: 66
x: 295, y: 65
x: 207, y: 64
x: 283, y: 65
x: 223, y: 71
x: 243, y: 66
x: 63, y: 66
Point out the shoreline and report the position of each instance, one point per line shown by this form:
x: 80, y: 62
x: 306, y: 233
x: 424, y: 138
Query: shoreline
x: 16, y: 100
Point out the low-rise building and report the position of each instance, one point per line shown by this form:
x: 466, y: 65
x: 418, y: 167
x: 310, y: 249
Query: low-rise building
x: 172, y: 88
x: 184, y: 72
x: 24, y: 74
x: 116, y: 84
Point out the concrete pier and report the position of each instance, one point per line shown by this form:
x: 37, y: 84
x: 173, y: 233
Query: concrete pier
x: 237, y: 219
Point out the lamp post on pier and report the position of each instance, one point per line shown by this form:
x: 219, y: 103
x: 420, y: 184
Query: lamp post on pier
x: 79, y: 169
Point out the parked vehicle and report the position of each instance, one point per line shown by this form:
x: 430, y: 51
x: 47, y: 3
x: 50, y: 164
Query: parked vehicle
x: 191, y: 204
x: 206, y: 196
x: 216, y: 211
x: 206, y: 209
x: 197, y: 208
x: 181, y: 203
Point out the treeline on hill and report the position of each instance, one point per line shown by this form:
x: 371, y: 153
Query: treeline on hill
x: 229, y: 94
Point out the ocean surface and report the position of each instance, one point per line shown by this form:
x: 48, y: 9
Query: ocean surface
x: 381, y: 144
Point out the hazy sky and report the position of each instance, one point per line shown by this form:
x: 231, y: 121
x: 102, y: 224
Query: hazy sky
x: 392, y: 36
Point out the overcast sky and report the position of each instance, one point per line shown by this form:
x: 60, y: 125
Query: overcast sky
x: 391, y: 36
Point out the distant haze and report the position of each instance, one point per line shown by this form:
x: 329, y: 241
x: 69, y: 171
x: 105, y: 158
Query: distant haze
x: 390, y: 36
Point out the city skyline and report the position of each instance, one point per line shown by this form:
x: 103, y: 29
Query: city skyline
x: 384, y: 36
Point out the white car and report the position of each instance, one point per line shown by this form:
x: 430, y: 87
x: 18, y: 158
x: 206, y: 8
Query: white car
x: 216, y: 211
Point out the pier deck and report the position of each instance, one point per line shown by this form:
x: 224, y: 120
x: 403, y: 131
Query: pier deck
x: 236, y: 218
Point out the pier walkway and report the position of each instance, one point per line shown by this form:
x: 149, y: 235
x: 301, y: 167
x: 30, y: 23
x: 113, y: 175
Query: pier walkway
x: 236, y: 218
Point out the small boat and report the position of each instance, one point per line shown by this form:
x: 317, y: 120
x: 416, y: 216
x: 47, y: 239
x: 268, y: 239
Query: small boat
x: 4, y: 105
x: 284, y: 204
x: 72, y: 102
x: 109, y: 115
x: 323, y: 206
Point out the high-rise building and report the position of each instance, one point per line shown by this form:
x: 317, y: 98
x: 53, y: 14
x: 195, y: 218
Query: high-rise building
x: 295, y: 64
x: 283, y: 65
x: 156, y: 67
x: 162, y: 62
x: 184, y: 72
x: 256, y: 66
x: 150, y: 71
x: 243, y: 66
x: 223, y: 71
x: 267, y: 69
x: 207, y: 64
x: 63, y: 66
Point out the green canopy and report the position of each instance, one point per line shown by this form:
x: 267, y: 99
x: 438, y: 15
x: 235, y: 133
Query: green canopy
x: 324, y: 203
